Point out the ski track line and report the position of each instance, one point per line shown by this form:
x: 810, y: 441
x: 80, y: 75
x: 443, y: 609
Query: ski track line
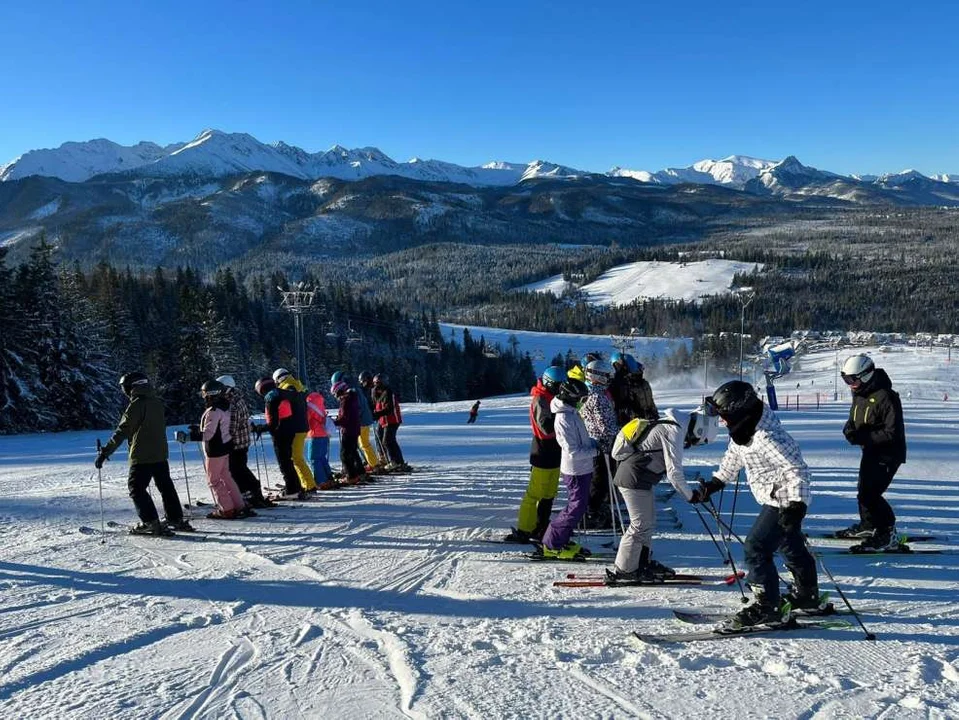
x: 404, y: 674
x: 224, y: 677
x: 600, y: 688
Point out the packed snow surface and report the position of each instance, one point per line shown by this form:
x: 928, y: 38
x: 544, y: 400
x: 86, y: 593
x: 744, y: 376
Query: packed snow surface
x: 383, y: 601
x: 623, y: 284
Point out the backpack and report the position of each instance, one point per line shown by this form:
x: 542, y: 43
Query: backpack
x: 637, y: 429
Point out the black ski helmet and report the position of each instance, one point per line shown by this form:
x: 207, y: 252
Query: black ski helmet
x: 572, y: 391
x: 733, y: 401
x: 380, y: 379
x: 264, y: 385
x: 212, y: 388
x: 365, y: 378
x: 133, y: 380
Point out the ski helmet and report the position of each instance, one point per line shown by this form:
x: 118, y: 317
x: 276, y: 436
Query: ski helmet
x: 576, y: 373
x: 857, y: 370
x: 572, y: 391
x: 264, y: 385
x: 701, y: 429
x: 339, y: 388
x: 590, y: 357
x: 553, y: 377
x: 227, y: 381
x: 599, y: 372
x: 625, y: 362
x: 732, y: 401
x: 280, y: 373
x: 212, y: 388
x: 336, y: 377
x: 133, y: 380
x: 365, y: 378
x: 380, y: 379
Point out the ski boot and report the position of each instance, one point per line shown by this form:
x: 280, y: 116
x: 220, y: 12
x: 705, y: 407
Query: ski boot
x: 570, y: 551
x: 856, y: 530
x: 518, y: 536
x: 887, y: 540
x: 222, y: 515
x: 807, y: 602
x: 154, y: 527
x: 657, y: 569
x: 181, y: 525
x: 640, y: 575
x: 759, y: 612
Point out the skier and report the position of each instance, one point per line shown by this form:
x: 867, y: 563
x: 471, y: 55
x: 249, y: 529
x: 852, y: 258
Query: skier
x: 876, y: 424
x: 544, y: 459
x: 279, y: 421
x: 646, y: 452
x: 143, y: 425
x: 363, y: 393
x: 632, y: 395
x: 348, y: 420
x: 386, y: 410
x: 576, y: 470
x: 474, y: 411
x: 779, y: 480
x: 600, y: 418
x: 240, y: 471
x: 285, y: 381
x: 214, y: 431
x: 318, y: 441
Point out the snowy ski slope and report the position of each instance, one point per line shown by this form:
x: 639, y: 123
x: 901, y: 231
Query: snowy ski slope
x: 382, y: 601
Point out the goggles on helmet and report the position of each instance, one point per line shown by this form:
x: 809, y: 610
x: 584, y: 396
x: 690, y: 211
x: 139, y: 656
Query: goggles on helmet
x: 710, y: 407
x: 854, y: 379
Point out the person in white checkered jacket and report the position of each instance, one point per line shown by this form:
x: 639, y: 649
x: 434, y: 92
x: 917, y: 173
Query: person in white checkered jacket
x: 779, y: 480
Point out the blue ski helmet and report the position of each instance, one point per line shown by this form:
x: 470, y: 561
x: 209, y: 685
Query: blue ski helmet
x: 553, y: 377
x: 336, y: 377
x: 625, y: 360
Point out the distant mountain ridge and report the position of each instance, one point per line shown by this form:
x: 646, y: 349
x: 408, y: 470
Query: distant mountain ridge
x: 215, y: 154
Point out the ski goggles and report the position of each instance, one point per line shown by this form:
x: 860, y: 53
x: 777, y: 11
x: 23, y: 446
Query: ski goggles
x: 853, y: 379
x: 710, y: 407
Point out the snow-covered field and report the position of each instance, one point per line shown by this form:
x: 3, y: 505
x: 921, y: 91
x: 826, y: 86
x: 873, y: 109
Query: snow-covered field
x: 623, y: 284
x: 382, y: 601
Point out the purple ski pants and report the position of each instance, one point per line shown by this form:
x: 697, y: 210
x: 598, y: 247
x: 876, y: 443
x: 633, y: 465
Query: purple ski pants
x: 560, y: 530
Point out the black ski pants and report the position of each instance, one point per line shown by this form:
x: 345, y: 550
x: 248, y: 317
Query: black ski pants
x: 244, y: 478
x: 765, y: 537
x: 875, y: 475
x: 387, y: 435
x: 283, y: 447
x: 137, y: 482
x: 350, y: 456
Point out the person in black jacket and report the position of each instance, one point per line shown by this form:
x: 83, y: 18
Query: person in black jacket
x: 631, y: 393
x: 875, y: 423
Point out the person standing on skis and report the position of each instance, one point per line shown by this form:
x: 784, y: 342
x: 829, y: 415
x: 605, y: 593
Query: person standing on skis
x: 632, y: 395
x: 214, y: 432
x: 779, y: 480
x: 600, y: 418
x: 280, y: 423
x: 240, y: 471
x: 386, y: 410
x: 143, y: 426
x: 363, y: 387
x: 318, y: 441
x: 474, y: 411
x: 348, y: 420
x: 876, y: 425
x: 297, y: 395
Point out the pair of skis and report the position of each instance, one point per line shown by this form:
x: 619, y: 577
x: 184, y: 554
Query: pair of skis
x: 120, y: 529
x: 721, y: 633
x: 582, y: 580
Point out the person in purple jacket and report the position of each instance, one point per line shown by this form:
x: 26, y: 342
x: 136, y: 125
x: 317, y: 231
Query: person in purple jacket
x: 575, y: 468
x: 348, y: 420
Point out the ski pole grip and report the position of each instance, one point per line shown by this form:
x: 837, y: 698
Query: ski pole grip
x: 99, y: 445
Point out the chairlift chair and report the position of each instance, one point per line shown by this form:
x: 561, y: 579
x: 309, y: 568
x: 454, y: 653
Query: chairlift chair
x: 352, y: 336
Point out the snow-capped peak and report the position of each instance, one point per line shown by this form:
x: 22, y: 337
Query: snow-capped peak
x: 733, y: 171
x: 908, y: 175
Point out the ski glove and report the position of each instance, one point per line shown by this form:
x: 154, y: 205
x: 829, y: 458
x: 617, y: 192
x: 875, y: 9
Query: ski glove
x: 180, y: 436
x: 101, y: 458
x: 195, y: 433
x: 706, y: 490
x: 790, y: 517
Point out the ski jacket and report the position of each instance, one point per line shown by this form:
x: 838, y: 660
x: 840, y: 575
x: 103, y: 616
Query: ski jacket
x: 578, y: 448
x: 474, y: 409
x: 775, y: 469
x: 279, y: 413
x: 875, y: 420
x: 297, y: 397
x: 600, y: 417
x: 239, y: 421
x: 645, y: 460
x: 544, y: 451
x: 143, y: 425
x: 316, y: 415
x: 366, y: 411
x: 215, y: 431
x: 348, y: 418
x: 387, y: 407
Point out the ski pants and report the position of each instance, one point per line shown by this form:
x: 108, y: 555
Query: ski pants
x: 599, y: 489
x: 387, y: 435
x: 350, y: 456
x: 369, y: 452
x: 283, y: 447
x: 560, y: 530
x: 875, y: 475
x: 472, y: 419
x: 137, y: 482
x: 641, y: 505
x: 303, y: 471
x: 765, y: 537
x: 537, y: 502
x: 226, y: 494
x: 318, y: 455
x: 244, y: 478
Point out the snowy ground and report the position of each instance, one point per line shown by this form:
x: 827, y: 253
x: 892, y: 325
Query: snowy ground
x: 381, y: 601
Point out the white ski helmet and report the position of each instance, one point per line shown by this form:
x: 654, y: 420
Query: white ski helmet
x: 858, y: 369
x: 702, y: 428
x: 227, y: 380
x: 598, y: 372
x: 279, y: 374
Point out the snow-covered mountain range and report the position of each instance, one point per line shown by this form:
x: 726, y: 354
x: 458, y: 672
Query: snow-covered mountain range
x: 214, y: 153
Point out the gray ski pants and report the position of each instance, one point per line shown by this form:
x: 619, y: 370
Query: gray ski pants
x: 642, y: 522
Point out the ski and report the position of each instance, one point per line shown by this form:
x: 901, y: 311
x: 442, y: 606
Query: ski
x: 705, y: 579
x: 595, y: 557
x: 501, y: 541
x: 905, y: 538
x: 700, y: 617
x: 125, y: 532
x: 898, y: 551
x: 724, y: 633
x: 678, y: 580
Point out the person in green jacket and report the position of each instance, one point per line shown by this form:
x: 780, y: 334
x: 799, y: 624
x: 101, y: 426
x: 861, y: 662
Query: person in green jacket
x: 143, y: 425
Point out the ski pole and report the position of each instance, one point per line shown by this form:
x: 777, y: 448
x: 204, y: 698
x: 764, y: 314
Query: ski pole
x: 256, y: 456
x: 616, y: 512
x: 266, y: 470
x: 869, y: 635
x: 728, y: 560
x: 710, y: 508
x: 186, y: 480
x: 103, y: 531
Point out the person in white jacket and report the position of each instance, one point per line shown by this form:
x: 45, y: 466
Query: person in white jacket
x: 646, y: 451
x: 575, y: 469
x: 779, y: 480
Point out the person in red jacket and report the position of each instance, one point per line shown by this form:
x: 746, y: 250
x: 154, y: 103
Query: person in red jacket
x: 318, y: 441
x: 386, y: 410
x: 348, y: 420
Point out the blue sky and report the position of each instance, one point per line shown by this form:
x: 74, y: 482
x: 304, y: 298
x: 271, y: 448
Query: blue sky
x: 862, y: 87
